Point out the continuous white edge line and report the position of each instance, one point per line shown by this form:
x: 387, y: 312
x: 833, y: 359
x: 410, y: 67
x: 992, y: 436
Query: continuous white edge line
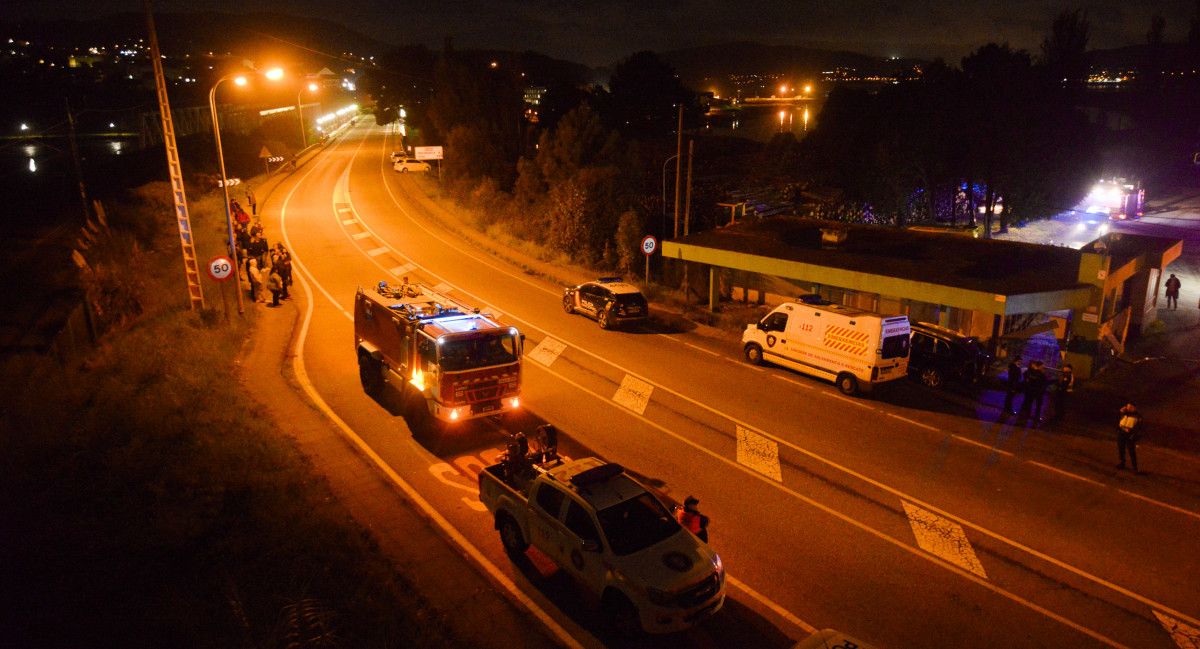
x: 302, y: 377
x: 848, y: 471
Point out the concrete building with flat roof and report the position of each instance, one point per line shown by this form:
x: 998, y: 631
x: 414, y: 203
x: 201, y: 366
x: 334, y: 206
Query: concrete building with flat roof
x: 1093, y: 299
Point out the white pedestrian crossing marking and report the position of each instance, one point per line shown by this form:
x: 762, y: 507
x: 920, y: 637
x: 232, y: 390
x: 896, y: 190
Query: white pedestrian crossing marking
x: 1184, y: 635
x: 758, y: 453
x: 547, y: 351
x: 349, y: 221
x: 634, y: 394
x: 377, y: 251
x: 360, y: 235
x: 943, y: 538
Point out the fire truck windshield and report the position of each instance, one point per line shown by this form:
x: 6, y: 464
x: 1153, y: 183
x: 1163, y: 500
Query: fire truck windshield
x: 458, y: 353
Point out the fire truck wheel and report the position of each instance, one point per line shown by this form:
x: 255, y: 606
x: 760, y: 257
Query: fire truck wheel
x: 847, y: 383
x: 754, y: 354
x: 568, y: 304
x: 370, y: 374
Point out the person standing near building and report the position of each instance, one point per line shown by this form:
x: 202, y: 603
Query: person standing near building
x: 1173, y: 286
x: 1035, y: 389
x: 1129, y: 430
x: 1013, y: 385
x: 1062, y: 390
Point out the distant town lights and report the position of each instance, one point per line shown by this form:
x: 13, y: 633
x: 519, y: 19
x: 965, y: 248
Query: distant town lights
x: 24, y: 126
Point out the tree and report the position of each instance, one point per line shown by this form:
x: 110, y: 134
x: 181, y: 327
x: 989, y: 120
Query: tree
x: 1064, y: 50
x: 628, y: 239
x: 644, y: 96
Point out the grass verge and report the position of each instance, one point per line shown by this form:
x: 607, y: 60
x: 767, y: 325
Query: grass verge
x: 148, y: 502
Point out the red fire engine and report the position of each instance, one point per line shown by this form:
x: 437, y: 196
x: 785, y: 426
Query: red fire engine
x: 462, y: 363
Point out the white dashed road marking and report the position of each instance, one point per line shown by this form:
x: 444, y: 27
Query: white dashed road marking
x: 349, y: 221
x: 758, y: 453
x: 377, y: 251
x: 943, y: 538
x: 402, y: 269
x: 547, y: 351
x: 443, y: 287
x: 1184, y: 636
x: 634, y: 394
x: 496, y: 313
x: 360, y: 235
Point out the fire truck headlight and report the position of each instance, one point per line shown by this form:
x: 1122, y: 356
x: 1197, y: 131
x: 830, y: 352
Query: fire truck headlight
x: 515, y: 402
x: 454, y: 414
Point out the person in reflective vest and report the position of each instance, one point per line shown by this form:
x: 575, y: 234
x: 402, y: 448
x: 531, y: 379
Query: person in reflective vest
x: 690, y: 517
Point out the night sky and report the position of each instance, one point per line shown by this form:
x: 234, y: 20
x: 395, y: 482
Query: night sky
x: 600, y: 32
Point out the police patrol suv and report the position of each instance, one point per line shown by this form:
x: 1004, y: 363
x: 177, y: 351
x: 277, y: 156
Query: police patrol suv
x: 610, y: 300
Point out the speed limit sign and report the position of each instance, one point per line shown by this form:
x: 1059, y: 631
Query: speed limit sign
x: 220, y: 268
x: 649, y: 245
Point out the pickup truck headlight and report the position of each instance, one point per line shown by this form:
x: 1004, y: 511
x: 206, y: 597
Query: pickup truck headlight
x: 660, y: 597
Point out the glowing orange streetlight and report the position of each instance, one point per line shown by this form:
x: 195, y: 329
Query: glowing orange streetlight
x: 273, y: 74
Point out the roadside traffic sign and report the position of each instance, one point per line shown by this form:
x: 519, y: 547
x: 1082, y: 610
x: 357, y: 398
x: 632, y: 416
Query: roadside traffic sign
x: 649, y: 245
x: 220, y: 268
x: 427, y: 152
x: 229, y: 182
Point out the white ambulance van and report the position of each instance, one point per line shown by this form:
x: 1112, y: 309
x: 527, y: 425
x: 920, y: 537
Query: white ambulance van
x: 855, y: 349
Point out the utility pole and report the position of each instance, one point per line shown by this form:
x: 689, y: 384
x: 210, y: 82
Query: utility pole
x: 190, y: 265
x: 687, y: 201
x: 687, y: 213
x: 83, y: 199
x: 678, y: 167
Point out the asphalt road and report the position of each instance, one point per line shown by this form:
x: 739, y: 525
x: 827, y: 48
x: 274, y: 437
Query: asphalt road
x: 898, y: 519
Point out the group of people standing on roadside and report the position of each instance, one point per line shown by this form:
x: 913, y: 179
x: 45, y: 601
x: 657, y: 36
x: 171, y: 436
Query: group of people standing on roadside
x: 267, y: 269
x: 1032, y: 383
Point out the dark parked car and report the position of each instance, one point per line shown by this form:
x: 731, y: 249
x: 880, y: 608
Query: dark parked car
x: 938, y: 355
x: 609, y: 300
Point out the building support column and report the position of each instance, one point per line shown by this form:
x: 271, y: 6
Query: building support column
x: 994, y: 342
x: 714, y: 288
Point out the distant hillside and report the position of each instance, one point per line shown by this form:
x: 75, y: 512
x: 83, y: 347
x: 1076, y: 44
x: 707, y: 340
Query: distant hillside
x: 693, y: 64
x: 265, y: 36
x: 1174, y: 56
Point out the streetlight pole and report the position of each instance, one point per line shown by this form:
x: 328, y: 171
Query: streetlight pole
x: 212, y: 105
x: 312, y: 87
x: 663, y: 223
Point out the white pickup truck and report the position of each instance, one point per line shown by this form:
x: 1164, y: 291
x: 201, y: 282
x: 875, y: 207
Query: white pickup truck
x: 614, y: 537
